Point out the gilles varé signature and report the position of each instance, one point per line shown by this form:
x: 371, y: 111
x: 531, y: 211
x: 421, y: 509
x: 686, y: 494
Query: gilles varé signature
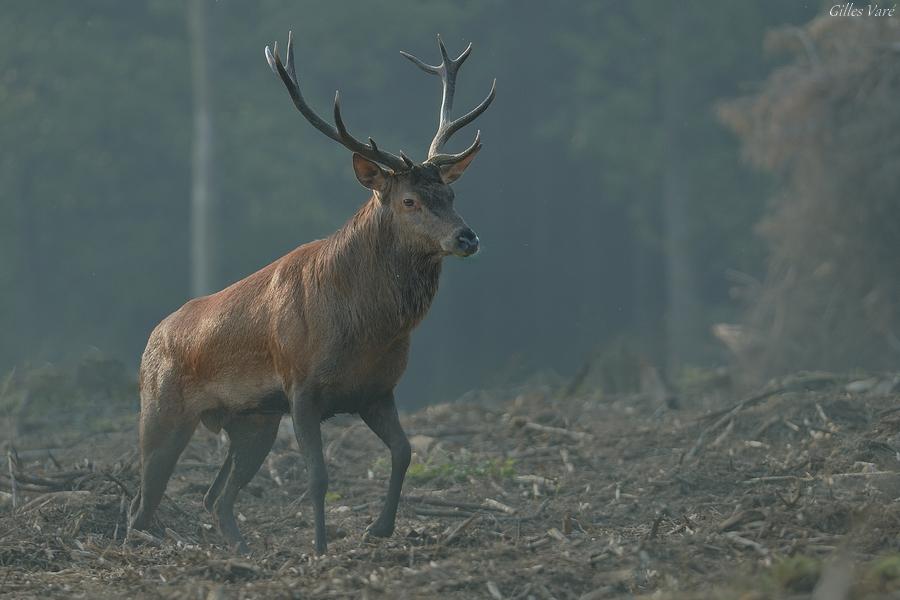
x: 869, y: 10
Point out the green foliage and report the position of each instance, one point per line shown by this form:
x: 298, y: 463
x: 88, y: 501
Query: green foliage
x: 694, y: 381
x: 446, y: 468
x: 797, y: 573
x: 882, y: 575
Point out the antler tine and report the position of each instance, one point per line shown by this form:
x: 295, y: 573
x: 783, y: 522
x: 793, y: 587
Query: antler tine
x: 447, y: 71
x: 371, y: 150
x: 445, y: 159
x: 340, y: 135
x: 422, y: 65
x: 409, y: 162
x: 294, y: 90
x: 271, y: 59
x: 446, y: 57
x: 290, y: 57
x: 470, y: 116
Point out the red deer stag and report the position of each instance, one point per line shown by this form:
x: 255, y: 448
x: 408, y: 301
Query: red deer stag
x: 323, y: 330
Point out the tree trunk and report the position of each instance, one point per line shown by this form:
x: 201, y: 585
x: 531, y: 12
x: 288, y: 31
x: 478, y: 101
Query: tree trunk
x: 682, y: 305
x: 202, y: 200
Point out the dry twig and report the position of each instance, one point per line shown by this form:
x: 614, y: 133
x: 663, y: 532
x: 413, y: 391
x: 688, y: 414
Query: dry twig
x: 578, y: 436
x: 13, y: 484
x: 456, y: 531
x: 490, y: 505
x: 743, y: 542
x: 728, y: 415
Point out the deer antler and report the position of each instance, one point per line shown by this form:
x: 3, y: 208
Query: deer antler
x: 446, y: 127
x: 340, y: 135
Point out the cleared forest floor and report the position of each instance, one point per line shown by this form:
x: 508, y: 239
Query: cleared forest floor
x: 530, y: 496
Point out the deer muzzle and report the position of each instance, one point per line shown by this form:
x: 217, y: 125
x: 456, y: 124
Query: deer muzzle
x: 465, y: 242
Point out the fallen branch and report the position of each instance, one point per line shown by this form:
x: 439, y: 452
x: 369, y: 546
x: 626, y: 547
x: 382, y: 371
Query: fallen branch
x: 48, y: 497
x: 494, y: 591
x: 789, y: 478
x: 469, y: 506
x: 543, y: 481
x: 867, y: 474
x: 722, y: 436
x: 743, y: 542
x: 446, y: 432
x: 558, y: 431
x: 428, y: 512
x: 136, y: 535
x: 17, y: 486
x: 564, y: 455
x: 118, y: 482
x: 39, y: 453
x: 535, y: 515
x: 805, y: 381
x: 56, y: 480
x: 541, y: 541
x: 729, y: 415
x: 740, y: 517
x: 455, y: 531
x: 765, y: 427
x: 775, y: 479
x: 534, y: 451
x: 14, y: 488
x: 497, y: 505
x: 198, y: 464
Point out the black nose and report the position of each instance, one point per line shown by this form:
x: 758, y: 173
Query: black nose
x: 467, y: 241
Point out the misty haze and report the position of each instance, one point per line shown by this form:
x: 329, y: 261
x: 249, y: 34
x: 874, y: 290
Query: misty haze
x: 567, y: 300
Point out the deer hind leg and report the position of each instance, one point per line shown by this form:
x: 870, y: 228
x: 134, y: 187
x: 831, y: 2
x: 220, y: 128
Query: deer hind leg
x: 163, y: 437
x: 212, y: 494
x: 215, y: 421
x: 250, y: 439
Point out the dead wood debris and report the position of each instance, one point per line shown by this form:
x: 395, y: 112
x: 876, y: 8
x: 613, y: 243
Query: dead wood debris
x: 557, y: 431
x: 801, y: 382
x: 577, y: 499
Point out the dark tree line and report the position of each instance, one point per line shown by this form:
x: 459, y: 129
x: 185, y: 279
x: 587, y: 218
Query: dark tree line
x: 610, y: 200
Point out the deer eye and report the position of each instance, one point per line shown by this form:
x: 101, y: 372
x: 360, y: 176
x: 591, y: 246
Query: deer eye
x: 409, y: 202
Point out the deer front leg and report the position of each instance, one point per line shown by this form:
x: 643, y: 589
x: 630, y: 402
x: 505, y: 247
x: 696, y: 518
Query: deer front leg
x: 307, y: 427
x: 381, y: 417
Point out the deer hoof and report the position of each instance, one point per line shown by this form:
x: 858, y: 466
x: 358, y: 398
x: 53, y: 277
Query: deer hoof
x: 379, y: 530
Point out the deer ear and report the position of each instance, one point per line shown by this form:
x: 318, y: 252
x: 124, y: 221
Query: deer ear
x: 368, y: 173
x: 453, y: 171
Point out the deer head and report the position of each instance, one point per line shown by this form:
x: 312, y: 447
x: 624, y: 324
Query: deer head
x: 418, y: 194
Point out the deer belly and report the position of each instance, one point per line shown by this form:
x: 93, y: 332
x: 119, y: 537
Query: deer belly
x: 237, y: 395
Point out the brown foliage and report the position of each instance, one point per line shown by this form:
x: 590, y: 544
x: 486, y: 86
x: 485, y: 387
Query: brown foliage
x: 827, y: 125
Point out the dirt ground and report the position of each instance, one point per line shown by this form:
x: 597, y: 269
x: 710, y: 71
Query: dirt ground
x: 518, y: 495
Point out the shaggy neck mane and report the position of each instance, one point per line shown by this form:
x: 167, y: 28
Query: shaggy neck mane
x: 381, y: 279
